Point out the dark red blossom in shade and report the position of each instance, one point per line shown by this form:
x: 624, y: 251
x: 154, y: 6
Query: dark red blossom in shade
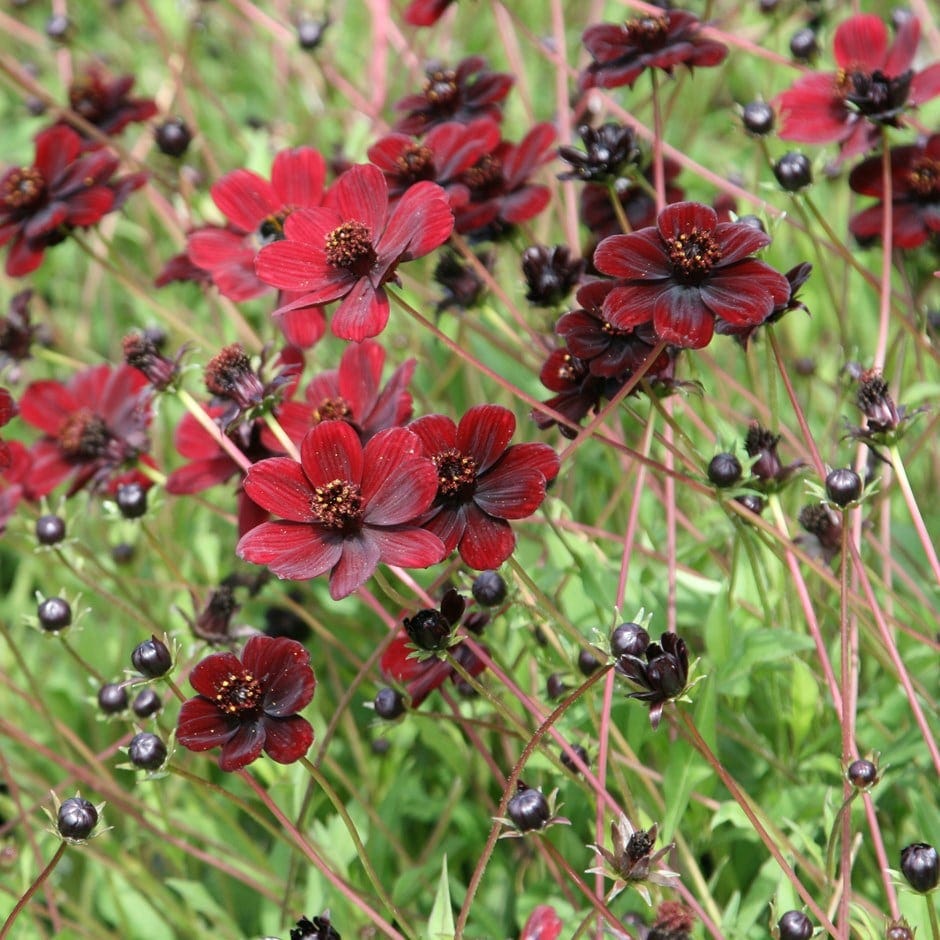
x: 502, y: 193
x: 15, y: 465
x: 425, y: 12
x: 345, y: 507
x: 578, y: 391
x: 445, y: 153
x: 463, y: 286
x: 687, y: 272
x: 464, y: 93
x: 621, y: 52
x: 873, y: 86
x: 249, y: 704
x: 663, y: 675
x: 543, y: 924
x: 105, y: 102
x: 63, y: 190
x: 352, y: 393
x: 17, y: 333
x: 351, y: 247
x: 915, y: 195
x: 95, y: 427
x: 482, y: 482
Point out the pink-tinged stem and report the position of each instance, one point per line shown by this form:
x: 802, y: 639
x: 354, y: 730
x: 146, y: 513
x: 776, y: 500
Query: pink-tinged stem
x: 213, y: 430
x: 848, y: 728
x: 669, y: 496
x: 31, y: 890
x: 919, y: 526
x: 563, y: 119
x: 875, y: 829
x: 887, y: 234
x: 630, y: 535
x: 602, y: 749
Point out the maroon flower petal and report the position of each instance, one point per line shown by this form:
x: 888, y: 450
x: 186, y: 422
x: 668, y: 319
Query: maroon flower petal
x: 245, y: 198
x: 201, y: 726
x: 282, y: 667
x: 302, y: 267
x: 287, y: 739
x: 408, y: 546
x: 737, y: 241
x: 48, y: 468
x: 861, y: 43
x: 363, y: 312
x: 515, y: 494
x: 46, y: 405
x: 243, y: 747
x: 679, y: 218
x: 397, y: 663
x: 747, y: 294
x: 637, y: 256
x: 298, y: 176
x: 448, y: 524
x: 23, y: 257
x: 303, y: 327
x: 484, y: 433
x: 208, y: 675
x: 421, y: 222
x: 292, y: 550
x: 901, y: 54
x: 201, y: 475
x: 437, y: 432
x: 56, y: 148
x: 925, y: 85
x: 486, y: 542
x: 682, y: 319
x: 87, y: 208
x: 627, y: 307
x: 357, y: 563
x: 398, y: 481
x: 331, y: 451
x: 280, y: 485
x: 811, y: 111
x: 361, y: 195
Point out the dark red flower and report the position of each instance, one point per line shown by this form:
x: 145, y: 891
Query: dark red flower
x: 464, y: 93
x: 16, y: 331
x: 622, y: 52
x: 501, y: 191
x: 95, y: 427
x: 445, y: 153
x: 351, y: 393
x: 686, y: 272
x: 578, y: 390
x: 15, y: 465
x: 349, y: 249
x: 345, y: 507
x: 105, y: 102
x: 873, y: 86
x: 7, y: 407
x: 608, y: 151
x: 482, y: 482
x: 249, y: 704
x: 426, y: 12
x: 64, y: 189
x: 663, y: 676
x: 915, y: 195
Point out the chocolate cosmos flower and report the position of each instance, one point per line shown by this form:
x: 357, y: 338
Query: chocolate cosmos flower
x: 248, y: 705
x: 686, y: 272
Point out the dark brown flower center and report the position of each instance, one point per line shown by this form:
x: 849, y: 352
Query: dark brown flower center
x: 350, y: 246
x: 416, y: 163
x: 229, y: 375
x: 84, y: 435
x: 693, y: 254
x: 484, y: 175
x: 23, y: 188
x: 272, y: 228
x: 456, y: 475
x: 87, y: 97
x: 441, y: 87
x: 337, y: 505
x: 332, y: 409
x: 639, y: 846
x: 879, y: 97
x: 610, y: 330
x: 924, y: 178
x: 239, y: 694
x: 647, y: 32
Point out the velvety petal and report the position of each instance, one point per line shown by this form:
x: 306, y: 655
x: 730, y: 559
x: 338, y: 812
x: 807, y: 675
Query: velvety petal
x: 487, y: 542
x: 398, y: 664
x: 287, y: 739
x: 192, y: 440
x: 209, y: 674
x: 245, y: 198
x: 524, y: 204
x: 239, y: 282
x: 302, y: 267
x: 359, y: 559
x: 48, y: 468
x: 56, y: 148
x: 361, y: 195
x: 23, y: 257
x: 298, y: 176
x: 420, y: 222
x: 680, y: 218
x: 811, y: 111
x: 902, y: 51
x: 292, y: 550
x: 861, y: 43
x: 45, y: 221
x: 250, y: 514
x: 87, y: 208
x: 46, y: 405
x: 363, y: 312
x: 360, y: 371
x: 510, y: 492
x: 681, y: 318
x: 200, y: 475
x: 521, y: 457
x: 280, y: 485
x: 201, y: 726
x: 448, y: 524
x: 533, y: 150
x: 628, y: 307
x: 331, y: 451
x: 384, y: 153
x: 303, y: 327
x: 437, y: 432
x: 484, y: 433
x: 637, y: 256
x: 925, y: 85
x: 408, y: 546
x: 741, y: 294
x: 282, y: 668
x: 243, y: 747
x: 213, y: 248
x: 543, y: 924
x: 738, y: 240
x: 425, y: 12
x: 398, y: 481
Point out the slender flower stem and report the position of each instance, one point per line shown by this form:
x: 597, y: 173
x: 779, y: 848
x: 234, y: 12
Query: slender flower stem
x: 932, y: 915
x: 87, y: 666
x: 289, y: 446
x: 916, y: 517
x: 31, y: 890
x: 887, y: 234
x: 659, y: 166
x: 213, y: 430
x: 847, y: 725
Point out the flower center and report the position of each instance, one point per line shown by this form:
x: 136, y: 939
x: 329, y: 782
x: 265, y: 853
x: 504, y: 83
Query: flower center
x: 415, y: 163
x: 331, y: 409
x: 338, y: 505
x: 229, y: 375
x: 693, y: 254
x: 924, y: 178
x: 441, y: 87
x: 87, y: 97
x: 647, y: 32
x: 456, y: 475
x: 484, y: 175
x: 878, y: 96
x: 639, y: 846
x: 239, y: 695
x: 23, y: 188
x: 84, y: 435
x: 350, y: 247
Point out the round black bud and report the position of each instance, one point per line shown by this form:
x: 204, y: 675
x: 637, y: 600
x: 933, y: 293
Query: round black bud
x: 899, y: 930
x: 843, y: 486
x: 489, y: 589
x: 920, y: 866
x: 122, y: 553
x: 77, y: 818
x: 582, y: 756
x: 50, y: 529
x: 428, y: 629
x: 758, y: 117
x: 724, y: 470
x: 310, y: 32
x: 555, y: 686
x: 751, y: 502
x: 54, y: 614
x: 112, y: 698
x: 173, y: 137
x: 152, y: 658
x: 317, y: 928
x: 146, y: 751
x: 132, y: 500
x: 803, y: 45
x: 862, y: 774
x: 380, y: 746
x: 588, y: 663
x: 628, y: 639
x: 793, y: 171
x: 389, y: 703
x: 795, y: 925
x: 528, y: 809
x: 146, y: 703
x: 59, y: 28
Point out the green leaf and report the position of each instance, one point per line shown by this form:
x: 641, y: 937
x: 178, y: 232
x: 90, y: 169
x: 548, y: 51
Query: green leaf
x: 441, y: 922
